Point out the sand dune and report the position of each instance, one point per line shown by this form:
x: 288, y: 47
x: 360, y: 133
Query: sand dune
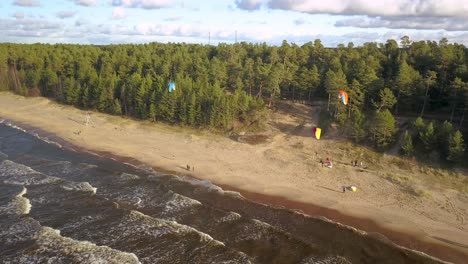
x: 285, y: 166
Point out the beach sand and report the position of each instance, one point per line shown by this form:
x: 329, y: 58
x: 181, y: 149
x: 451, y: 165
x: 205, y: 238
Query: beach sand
x: 284, y: 170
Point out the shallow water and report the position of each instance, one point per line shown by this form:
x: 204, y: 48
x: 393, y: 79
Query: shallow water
x: 64, y: 206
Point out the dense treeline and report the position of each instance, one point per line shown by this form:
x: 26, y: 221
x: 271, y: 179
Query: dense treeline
x: 221, y: 86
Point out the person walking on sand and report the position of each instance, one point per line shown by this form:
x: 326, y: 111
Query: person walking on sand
x: 351, y: 188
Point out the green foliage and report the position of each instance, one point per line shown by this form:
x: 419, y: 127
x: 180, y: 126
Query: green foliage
x: 419, y: 125
x: 428, y: 137
x: 443, y: 134
x: 387, y: 99
x: 227, y: 85
x: 456, y: 147
x: 358, y: 129
x: 407, y: 144
x: 382, y: 129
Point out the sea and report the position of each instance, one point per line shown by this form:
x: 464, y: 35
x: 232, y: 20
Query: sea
x: 59, y: 204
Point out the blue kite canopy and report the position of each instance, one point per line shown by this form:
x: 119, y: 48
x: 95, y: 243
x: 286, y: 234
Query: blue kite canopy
x: 171, y: 86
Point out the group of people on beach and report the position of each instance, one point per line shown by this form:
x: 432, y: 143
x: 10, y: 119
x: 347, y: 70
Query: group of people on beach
x: 328, y: 163
x: 354, y: 163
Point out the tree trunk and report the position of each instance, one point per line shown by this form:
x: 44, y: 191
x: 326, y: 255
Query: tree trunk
x: 293, y: 94
x: 462, y: 119
x: 328, y: 106
x: 259, y: 94
x: 397, y: 102
x: 271, y: 98
x: 310, y: 92
x: 17, y: 84
x: 425, y: 101
x: 349, y: 110
x: 453, y: 112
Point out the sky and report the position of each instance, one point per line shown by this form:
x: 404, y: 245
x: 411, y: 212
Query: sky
x: 225, y: 21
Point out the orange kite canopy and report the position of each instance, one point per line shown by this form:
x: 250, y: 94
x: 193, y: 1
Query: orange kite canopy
x: 343, y: 96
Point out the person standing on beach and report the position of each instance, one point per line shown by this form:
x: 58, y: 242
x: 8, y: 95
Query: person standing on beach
x: 351, y: 188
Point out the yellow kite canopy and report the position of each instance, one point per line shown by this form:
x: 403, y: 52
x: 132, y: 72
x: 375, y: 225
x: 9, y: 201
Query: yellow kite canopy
x: 317, y: 132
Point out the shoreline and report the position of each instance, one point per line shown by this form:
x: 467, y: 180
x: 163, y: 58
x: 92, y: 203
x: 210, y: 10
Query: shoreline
x: 268, y: 173
x: 368, y: 225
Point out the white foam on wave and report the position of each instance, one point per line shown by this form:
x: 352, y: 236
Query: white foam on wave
x: 19, y: 205
x: 24, y: 205
x: 209, y: 186
x: 51, y: 242
x: 174, y: 227
x: 51, y: 247
x: 180, y: 202
x: 79, y: 186
x: 45, y: 139
x: 19, y: 174
x: 14, y: 126
x: 128, y: 177
x: 231, y: 216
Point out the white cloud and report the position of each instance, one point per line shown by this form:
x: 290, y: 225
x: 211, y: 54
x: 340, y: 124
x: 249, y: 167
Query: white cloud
x: 146, y: 4
x: 118, y: 13
x: 422, y: 23
x: 85, y: 2
x: 65, y: 14
x: 249, y: 4
x: 376, y: 8
x: 26, y: 3
x: 28, y: 28
x: 18, y: 15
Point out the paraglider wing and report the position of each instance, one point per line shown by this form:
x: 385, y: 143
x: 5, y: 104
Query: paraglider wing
x: 318, y: 131
x: 343, y: 96
x: 171, y: 86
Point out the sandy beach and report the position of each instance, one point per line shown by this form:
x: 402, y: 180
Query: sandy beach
x: 392, y: 198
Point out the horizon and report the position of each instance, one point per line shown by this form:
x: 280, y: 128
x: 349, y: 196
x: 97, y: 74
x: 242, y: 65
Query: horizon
x: 105, y: 22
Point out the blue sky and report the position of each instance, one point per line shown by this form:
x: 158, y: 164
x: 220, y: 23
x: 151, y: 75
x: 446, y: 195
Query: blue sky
x: 270, y: 21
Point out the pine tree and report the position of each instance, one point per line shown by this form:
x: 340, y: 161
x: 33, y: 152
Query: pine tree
x: 407, y: 144
x: 358, y: 131
x: 444, y: 133
x: 456, y: 147
x: 383, y: 128
x: 117, y: 108
x: 419, y: 125
x: 387, y: 99
x: 428, y: 137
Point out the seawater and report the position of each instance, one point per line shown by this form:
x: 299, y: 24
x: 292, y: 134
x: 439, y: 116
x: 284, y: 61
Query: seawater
x: 62, y: 206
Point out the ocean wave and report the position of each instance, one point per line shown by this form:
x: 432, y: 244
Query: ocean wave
x: 325, y: 260
x: 50, y: 247
x: 208, y: 186
x: 19, y: 174
x: 19, y: 205
x: 45, y: 139
x: 174, y: 227
x: 179, y: 203
x: 9, y: 124
x: 230, y: 217
x: 79, y: 186
x: 128, y: 177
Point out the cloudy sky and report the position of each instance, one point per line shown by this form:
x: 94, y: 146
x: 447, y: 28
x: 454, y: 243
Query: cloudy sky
x: 200, y: 21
